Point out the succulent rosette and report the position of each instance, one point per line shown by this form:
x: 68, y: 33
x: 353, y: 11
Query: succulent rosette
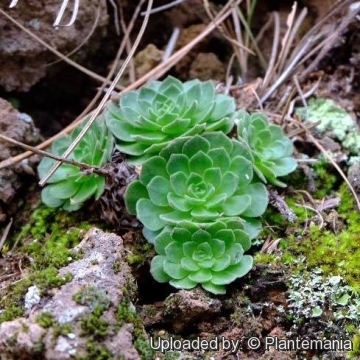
x: 212, y: 256
x: 69, y: 187
x: 197, y: 179
x: 271, y: 148
x: 146, y: 120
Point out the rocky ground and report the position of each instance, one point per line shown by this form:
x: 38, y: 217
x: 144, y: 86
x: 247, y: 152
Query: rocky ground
x: 77, y: 285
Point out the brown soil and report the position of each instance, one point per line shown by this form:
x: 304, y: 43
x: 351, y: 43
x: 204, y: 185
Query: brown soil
x: 53, y: 96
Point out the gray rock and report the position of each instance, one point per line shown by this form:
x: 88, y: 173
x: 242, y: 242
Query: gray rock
x: 83, y: 312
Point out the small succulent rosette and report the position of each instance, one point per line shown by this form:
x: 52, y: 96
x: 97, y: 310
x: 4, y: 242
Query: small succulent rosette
x: 146, y: 120
x: 271, y: 148
x: 212, y: 256
x: 69, y: 187
x: 197, y: 179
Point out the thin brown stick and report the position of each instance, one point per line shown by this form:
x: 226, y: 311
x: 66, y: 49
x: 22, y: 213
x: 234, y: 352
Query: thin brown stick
x: 154, y: 73
x: 81, y: 117
x: 50, y: 48
x: 5, y: 234
x: 132, y: 73
x: 104, y: 100
x: 87, y: 37
x: 336, y: 166
x: 82, y: 166
x: 163, y: 67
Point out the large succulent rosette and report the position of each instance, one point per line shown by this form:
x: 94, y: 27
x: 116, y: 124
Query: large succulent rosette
x: 197, y: 179
x: 212, y: 256
x: 146, y: 120
x: 271, y: 148
x: 69, y: 187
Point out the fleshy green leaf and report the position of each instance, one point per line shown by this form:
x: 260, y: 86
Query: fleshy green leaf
x: 156, y: 166
x: 184, y: 283
x: 178, y: 163
x: 175, y: 271
x: 194, y: 145
x: 50, y: 200
x: 233, y: 272
x: 200, y: 276
x: 215, y: 289
x: 221, y: 263
x: 259, y: 200
x: 174, y: 252
x: 149, y: 214
x: 159, y: 188
x: 189, y: 264
x: 236, y: 205
x: 200, y: 162
x: 157, y: 269
x: 63, y: 189
x: 135, y: 191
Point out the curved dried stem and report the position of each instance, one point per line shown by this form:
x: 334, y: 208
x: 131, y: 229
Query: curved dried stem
x: 332, y: 161
x: 154, y: 73
x: 104, y: 99
x: 57, y: 53
x: 163, y: 67
x: 52, y: 156
x: 81, y: 117
x: 87, y: 37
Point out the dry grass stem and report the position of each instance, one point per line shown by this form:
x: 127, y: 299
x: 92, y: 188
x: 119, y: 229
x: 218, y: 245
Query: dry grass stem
x: 88, y: 36
x: 50, y: 48
x: 81, y: 117
x: 5, y: 234
x: 104, y: 99
x: 61, y: 11
x: 83, y: 166
x: 332, y: 161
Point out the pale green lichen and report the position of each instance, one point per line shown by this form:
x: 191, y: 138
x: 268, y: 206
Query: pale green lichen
x: 313, y: 295
x: 334, y: 119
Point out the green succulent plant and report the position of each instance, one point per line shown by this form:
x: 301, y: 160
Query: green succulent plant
x: 69, y: 187
x: 212, y: 256
x: 146, y: 120
x: 271, y: 148
x: 196, y: 179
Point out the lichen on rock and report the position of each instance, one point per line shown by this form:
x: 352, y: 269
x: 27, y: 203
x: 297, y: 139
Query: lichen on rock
x: 81, y: 319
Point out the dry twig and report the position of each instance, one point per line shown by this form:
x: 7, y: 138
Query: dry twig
x: 104, y: 100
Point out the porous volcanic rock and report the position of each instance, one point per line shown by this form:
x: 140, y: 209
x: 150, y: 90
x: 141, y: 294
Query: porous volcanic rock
x: 23, y: 60
x: 83, y: 318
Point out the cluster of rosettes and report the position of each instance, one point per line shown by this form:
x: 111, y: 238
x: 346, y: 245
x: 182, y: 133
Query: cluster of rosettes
x: 145, y: 121
x: 69, y: 187
x: 212, y: 256
x: 200, y: 193
x: 204, y: 181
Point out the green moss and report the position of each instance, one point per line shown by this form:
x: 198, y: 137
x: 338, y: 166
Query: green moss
x: 62, y: 329
x: 47, y: 239
x: 262, y: 258
x: 140, y: 253
x: 51, y: 236
x: 13, y: 301
x: 116, y: 267
x: 172, y: 355
x: 336, y: 253
x: 93, y: 298
x: 96, y: 351
x: 93, y: 325
x: 45, y: 320
x: 126, y: 314
x: 325, y: 179
x: 10, y: 313
x: 355, y: 353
